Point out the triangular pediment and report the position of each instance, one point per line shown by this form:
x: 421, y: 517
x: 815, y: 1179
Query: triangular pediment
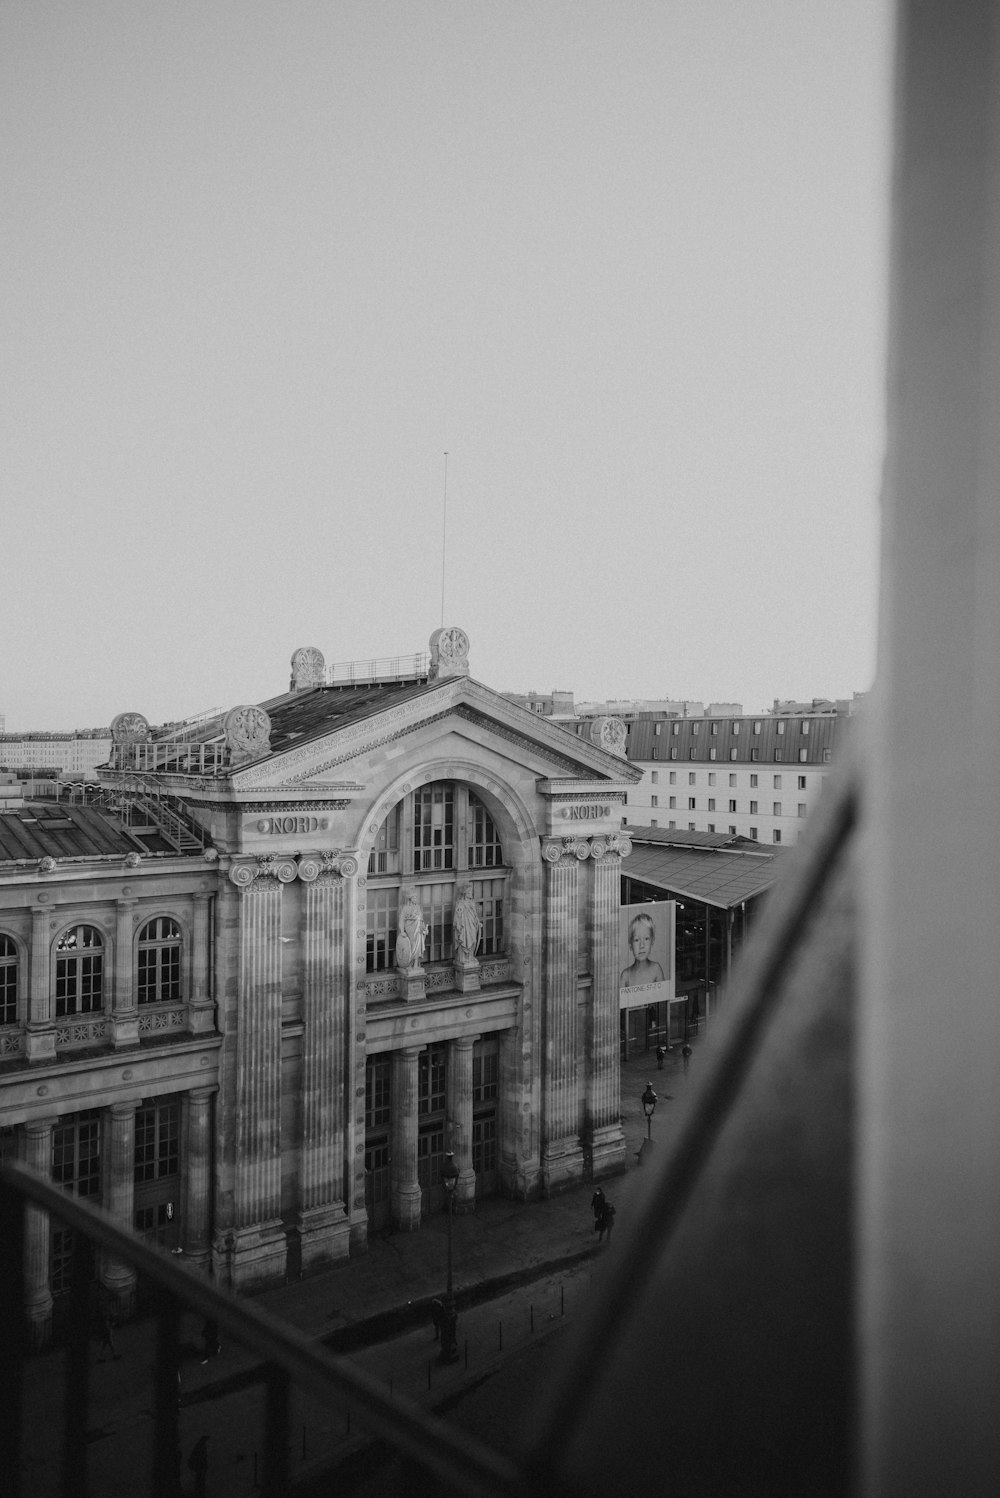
x: 336, y: 757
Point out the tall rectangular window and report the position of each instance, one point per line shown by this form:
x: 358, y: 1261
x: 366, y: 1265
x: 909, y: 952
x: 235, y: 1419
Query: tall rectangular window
x: 802, y: 782
x: 434, y: 827
x: 382, y: 914
x: 711, y: 777
x: 711, y: 803
x: 432, y: 1072
x: 691, y: 805
x: 436, y: 902
x: 673, y: 803
x: 732, y: 807
x: 753, y: 808
x: 157, y: 1140
x: 692, y: 777
x: 777, y: 782
x: 654, y: 800
x: 488, y: 895
x: 776, y: 812
x: 485, y: 851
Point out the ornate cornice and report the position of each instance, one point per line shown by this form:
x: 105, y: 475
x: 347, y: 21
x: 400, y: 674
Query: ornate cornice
x: 568, y: 849
x: 282, y: 870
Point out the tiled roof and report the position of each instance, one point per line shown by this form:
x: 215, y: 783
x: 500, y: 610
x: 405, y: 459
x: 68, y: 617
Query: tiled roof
x: 42, y: 829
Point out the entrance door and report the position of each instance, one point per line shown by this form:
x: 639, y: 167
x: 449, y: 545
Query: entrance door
x: 377, y: 1196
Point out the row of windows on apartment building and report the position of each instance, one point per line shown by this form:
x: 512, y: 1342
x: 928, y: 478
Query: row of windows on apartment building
x: 694, y: 726
x: 78, y: 982
x: 654, y: 777
x: 776, y: 811
x: 754, y: 755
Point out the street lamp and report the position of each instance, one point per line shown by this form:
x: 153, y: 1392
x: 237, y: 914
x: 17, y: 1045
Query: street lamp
x: 449, y: 1319
x: 649, y: 1108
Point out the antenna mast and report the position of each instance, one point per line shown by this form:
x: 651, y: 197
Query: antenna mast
x: 444, y: 535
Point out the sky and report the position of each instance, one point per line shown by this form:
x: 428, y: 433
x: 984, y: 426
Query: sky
x: 264, y: 265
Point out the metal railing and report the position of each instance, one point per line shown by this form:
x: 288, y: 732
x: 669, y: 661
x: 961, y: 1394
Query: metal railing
x: 171, y: 756
x: 288, y: 1361
x: 385, y: 668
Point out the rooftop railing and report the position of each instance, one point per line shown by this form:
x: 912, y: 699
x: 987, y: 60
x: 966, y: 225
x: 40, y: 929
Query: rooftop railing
x: 171, y: 756
x: 385, y: 668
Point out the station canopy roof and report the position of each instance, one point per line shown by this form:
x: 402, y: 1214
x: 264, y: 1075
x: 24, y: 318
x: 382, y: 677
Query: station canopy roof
x: 707, y: 866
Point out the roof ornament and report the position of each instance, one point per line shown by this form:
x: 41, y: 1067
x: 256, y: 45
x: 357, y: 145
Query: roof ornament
x: 248, y: 733
x: 609, y: 734
x: 130, y: 728
x: 308, y: 669
x: 449, y: 653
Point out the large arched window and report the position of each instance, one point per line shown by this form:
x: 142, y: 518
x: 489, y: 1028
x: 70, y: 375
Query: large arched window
x: 8, y: 981
x: 79, y: 971
x: 159, y: 972
x: 435, y: 840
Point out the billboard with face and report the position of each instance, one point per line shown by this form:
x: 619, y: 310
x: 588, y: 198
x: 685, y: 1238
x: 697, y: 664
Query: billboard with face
x: 647, y: 954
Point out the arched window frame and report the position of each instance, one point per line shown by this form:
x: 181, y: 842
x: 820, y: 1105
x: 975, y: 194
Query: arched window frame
x: 10, y: 979
x: 78, y: 983
x: 436, y: 856
x: 162, y: 981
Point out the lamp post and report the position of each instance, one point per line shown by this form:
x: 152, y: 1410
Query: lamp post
x: 449, y: 1319
x: 649, y: 1108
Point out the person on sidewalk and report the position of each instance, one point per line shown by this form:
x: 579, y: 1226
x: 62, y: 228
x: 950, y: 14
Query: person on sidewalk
x: 597, y: 1206
x: 660, y: 1053
x: 210, y: 1338
x: 606, y: 1222
x: 686, y: 1054
x: 437, y: 1316
x: 198, y: 1464
x: 108, y: 1339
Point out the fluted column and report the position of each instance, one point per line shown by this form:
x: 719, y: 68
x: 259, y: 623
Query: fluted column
x: 197, y: 1177
x: 201, y: 1010
x: 258, y: 1236
x: 405, y: 1188
x: 459, y: 1111
x: 562, y: 1154
x: 40, y: 1038
x: 37, y: 1236
x: 323, y: 1224
x: 124, y: 1012
x: 117, y: 1277
x: 604, y: 1138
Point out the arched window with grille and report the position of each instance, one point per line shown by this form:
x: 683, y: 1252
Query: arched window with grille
x: 158, y: 980
x: 9, y: 974
x: 430, y: 840
x: 79, y: 971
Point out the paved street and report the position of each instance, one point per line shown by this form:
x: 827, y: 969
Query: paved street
x: 522, y: 1271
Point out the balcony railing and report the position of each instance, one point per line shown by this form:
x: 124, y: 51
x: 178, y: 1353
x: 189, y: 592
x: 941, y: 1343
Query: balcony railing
x: 385, y: 668
x: 289, y: 1363
x: 171, y: 756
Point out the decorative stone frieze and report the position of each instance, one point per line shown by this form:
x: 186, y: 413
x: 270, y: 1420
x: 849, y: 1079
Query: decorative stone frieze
x: 310, y: 866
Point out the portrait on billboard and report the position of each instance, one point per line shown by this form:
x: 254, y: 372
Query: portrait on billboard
x: 647, y: 942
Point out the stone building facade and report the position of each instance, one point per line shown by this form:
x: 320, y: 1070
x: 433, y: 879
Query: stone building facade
x: 380, y: 923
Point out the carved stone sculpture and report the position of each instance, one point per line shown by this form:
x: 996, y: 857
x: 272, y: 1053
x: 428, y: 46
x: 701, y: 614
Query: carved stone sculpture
x: 412, y: 931
x: 466, y: 926
x: 610, y: 734
x: 129, y: 728
x: 248, y: 733
x: 308, y: 668
x: 449, y: 653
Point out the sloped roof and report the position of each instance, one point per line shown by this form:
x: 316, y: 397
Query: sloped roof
x: 720, y: 871
x: 45, y: 830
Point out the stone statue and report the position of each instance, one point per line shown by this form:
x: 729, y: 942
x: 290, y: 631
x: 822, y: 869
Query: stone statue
x: 411, y: 933
x: 466, y: 927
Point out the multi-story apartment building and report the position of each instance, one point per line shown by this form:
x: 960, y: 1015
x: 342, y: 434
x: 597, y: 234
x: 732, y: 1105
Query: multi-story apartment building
x: 76, y: 753
x: 748, y: 776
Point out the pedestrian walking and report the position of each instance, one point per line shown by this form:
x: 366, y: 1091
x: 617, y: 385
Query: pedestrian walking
x: 660, y: 1053
x: 606, y: 1223
x: 210, y: 1338
x: 198, y: 1464
x: 686, y: 1054
x: 597, y: 1205
x: 108, y: 1339
x: 437, y: 1316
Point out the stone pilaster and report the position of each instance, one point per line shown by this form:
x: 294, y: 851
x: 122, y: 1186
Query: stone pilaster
x: 604, y: 1140
x: 124, y: 1011
x: 201, y: 1009
x: 562, y: 1153
x: 355, y: 1040
x: 258, y: 1239
x: 197, y: 1177
x: 459, y: 1112
x: 404, y: 1185
x: 40, y: 1036
x: 118, y: 1278
x: 323, y: 1221
x: 37, y: 1236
